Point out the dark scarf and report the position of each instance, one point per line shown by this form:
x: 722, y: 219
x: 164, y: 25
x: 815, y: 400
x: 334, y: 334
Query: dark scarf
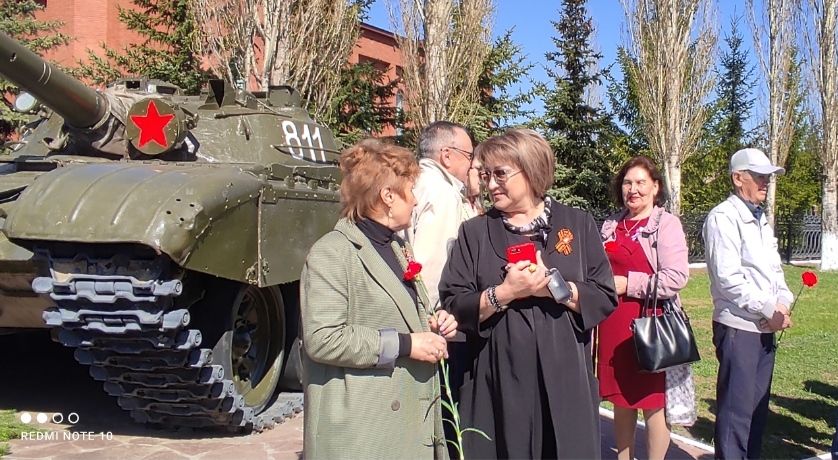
x: 755, y: 209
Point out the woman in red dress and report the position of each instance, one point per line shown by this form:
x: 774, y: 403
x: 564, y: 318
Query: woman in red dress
x: 637, y: 239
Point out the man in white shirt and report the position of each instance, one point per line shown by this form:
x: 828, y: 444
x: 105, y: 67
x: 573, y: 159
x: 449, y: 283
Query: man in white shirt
x: 750, y: 300
x: 447, y: 194
x: 442, y: 196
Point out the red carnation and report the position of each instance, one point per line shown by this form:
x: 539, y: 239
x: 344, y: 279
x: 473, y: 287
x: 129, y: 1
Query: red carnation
x: 413, y: 269
x: 809, y: 278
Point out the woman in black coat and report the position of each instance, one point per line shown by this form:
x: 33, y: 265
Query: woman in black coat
x: 528, y: 383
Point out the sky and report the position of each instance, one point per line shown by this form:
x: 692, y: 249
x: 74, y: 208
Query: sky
x: 531, y: 21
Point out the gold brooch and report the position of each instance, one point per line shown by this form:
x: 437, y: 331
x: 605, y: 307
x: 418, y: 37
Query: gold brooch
x: 563, y: 245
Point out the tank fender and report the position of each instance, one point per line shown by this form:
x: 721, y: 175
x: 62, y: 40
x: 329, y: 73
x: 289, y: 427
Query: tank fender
x: 203, y: 216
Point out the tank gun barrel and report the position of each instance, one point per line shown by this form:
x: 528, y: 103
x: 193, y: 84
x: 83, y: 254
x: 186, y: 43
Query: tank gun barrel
x: 79, y: 105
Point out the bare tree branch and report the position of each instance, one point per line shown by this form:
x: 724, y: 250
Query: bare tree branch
x: 774, y: 44
x: 304, y: 43
x: 443, y: 44
x: 671, y: 44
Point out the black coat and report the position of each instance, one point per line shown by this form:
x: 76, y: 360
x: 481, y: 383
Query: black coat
x: 529, y: 382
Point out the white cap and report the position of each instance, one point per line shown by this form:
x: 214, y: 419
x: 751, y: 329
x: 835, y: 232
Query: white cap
x: 753, y: 160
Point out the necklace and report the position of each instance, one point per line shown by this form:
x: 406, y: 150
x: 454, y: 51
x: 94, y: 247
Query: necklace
x: 629, y: 230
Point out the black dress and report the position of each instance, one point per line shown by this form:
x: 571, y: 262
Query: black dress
x: 529, y: 383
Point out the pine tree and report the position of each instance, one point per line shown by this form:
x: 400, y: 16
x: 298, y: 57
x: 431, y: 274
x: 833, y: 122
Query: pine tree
x: 165, y: 54
x: 17, y: 20
x: 577, y: 131
x: 706, y: 176
x: 361, y: 108
x: 499, y: 104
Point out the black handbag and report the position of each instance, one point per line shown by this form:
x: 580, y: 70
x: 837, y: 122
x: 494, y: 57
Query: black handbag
x: 663, y: 341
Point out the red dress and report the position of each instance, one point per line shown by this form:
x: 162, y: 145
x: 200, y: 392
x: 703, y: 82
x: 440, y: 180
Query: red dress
x: 620, y: 380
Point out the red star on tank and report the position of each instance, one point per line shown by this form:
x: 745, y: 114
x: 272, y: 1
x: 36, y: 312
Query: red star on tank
x: 151, y: 126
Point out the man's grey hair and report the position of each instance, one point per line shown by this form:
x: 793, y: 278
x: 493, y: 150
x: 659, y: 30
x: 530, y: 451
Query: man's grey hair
x: 437, y: 135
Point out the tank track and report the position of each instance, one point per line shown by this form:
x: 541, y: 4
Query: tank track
x: 143, y: 351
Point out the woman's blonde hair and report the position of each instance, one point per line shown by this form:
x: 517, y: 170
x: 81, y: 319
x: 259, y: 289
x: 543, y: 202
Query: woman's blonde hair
x: 368, y: 167
x: 524, y: 149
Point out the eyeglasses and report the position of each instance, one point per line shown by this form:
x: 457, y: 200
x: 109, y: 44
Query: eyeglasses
x: 465, y: 153
x: 501, y: 175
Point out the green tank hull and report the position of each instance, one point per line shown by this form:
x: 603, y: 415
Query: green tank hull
x: 162, y: 236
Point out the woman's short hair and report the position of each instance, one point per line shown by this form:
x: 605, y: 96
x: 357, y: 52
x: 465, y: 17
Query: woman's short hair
x: 638, y: 162
x: 526, y: 150
x: 368, y: 167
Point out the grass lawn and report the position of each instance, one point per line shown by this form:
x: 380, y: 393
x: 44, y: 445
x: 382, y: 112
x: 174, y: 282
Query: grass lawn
x: 804, y: 393
x: 10, y: 428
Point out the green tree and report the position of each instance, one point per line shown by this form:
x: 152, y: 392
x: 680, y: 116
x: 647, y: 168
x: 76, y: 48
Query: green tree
x: 361, y: 105
x: 706, y: 177
x: 166, y: 53
x: 17, y: 19
x: 578, y: 132
x: 500, y: 104
x: 628, y: 139
x: 622, y: 96
x: 799, y: 189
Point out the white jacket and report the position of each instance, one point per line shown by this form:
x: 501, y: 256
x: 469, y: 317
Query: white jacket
x: 441, y: 208
x: 746, y: 275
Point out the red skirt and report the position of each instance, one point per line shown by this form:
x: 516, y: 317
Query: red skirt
x: 620, y: 378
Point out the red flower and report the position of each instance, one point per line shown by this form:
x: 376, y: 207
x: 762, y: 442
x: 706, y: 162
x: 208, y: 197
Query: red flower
x: 809, y: 278
x: 610, y: 247
x: 413, y: 269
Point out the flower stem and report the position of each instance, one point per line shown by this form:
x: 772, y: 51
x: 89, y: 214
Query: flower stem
x: 454, y: 413
x: 791, y: 309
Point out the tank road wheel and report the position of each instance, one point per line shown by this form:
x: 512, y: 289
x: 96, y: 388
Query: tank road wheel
x: 246, y: 327
x: 258, y: 342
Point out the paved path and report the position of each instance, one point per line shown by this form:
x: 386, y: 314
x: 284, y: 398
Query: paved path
x: 46, y: 379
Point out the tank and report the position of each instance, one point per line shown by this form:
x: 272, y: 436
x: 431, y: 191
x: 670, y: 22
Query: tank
x: 162, y: 236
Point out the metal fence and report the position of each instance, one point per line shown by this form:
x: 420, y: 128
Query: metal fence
x: 798, y: 237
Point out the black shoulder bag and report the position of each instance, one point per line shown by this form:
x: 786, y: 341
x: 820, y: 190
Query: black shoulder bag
x: 662, y: 341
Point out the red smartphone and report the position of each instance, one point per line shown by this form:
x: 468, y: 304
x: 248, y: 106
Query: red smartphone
x: 519, y: 252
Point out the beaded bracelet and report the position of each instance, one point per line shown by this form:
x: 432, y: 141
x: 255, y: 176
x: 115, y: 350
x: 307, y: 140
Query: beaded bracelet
x: 493, y: 300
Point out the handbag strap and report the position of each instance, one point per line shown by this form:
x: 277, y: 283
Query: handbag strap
x: 652, y: 300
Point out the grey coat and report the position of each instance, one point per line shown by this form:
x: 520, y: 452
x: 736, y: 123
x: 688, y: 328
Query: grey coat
x: 352, y: 408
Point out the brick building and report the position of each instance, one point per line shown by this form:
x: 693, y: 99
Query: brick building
x: 93, y: 22
x: 379, y: 47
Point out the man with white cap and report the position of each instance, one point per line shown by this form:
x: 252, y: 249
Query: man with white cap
x: 750, y: 303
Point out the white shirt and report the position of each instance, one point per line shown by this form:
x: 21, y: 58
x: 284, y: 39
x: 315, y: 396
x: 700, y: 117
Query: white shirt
x: 441, y: 208
x: 746, y: 275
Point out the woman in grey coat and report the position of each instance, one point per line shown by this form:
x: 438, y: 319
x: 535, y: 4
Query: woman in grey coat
x: 370, y: 338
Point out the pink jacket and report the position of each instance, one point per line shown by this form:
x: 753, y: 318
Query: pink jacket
x: 663, y: 236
